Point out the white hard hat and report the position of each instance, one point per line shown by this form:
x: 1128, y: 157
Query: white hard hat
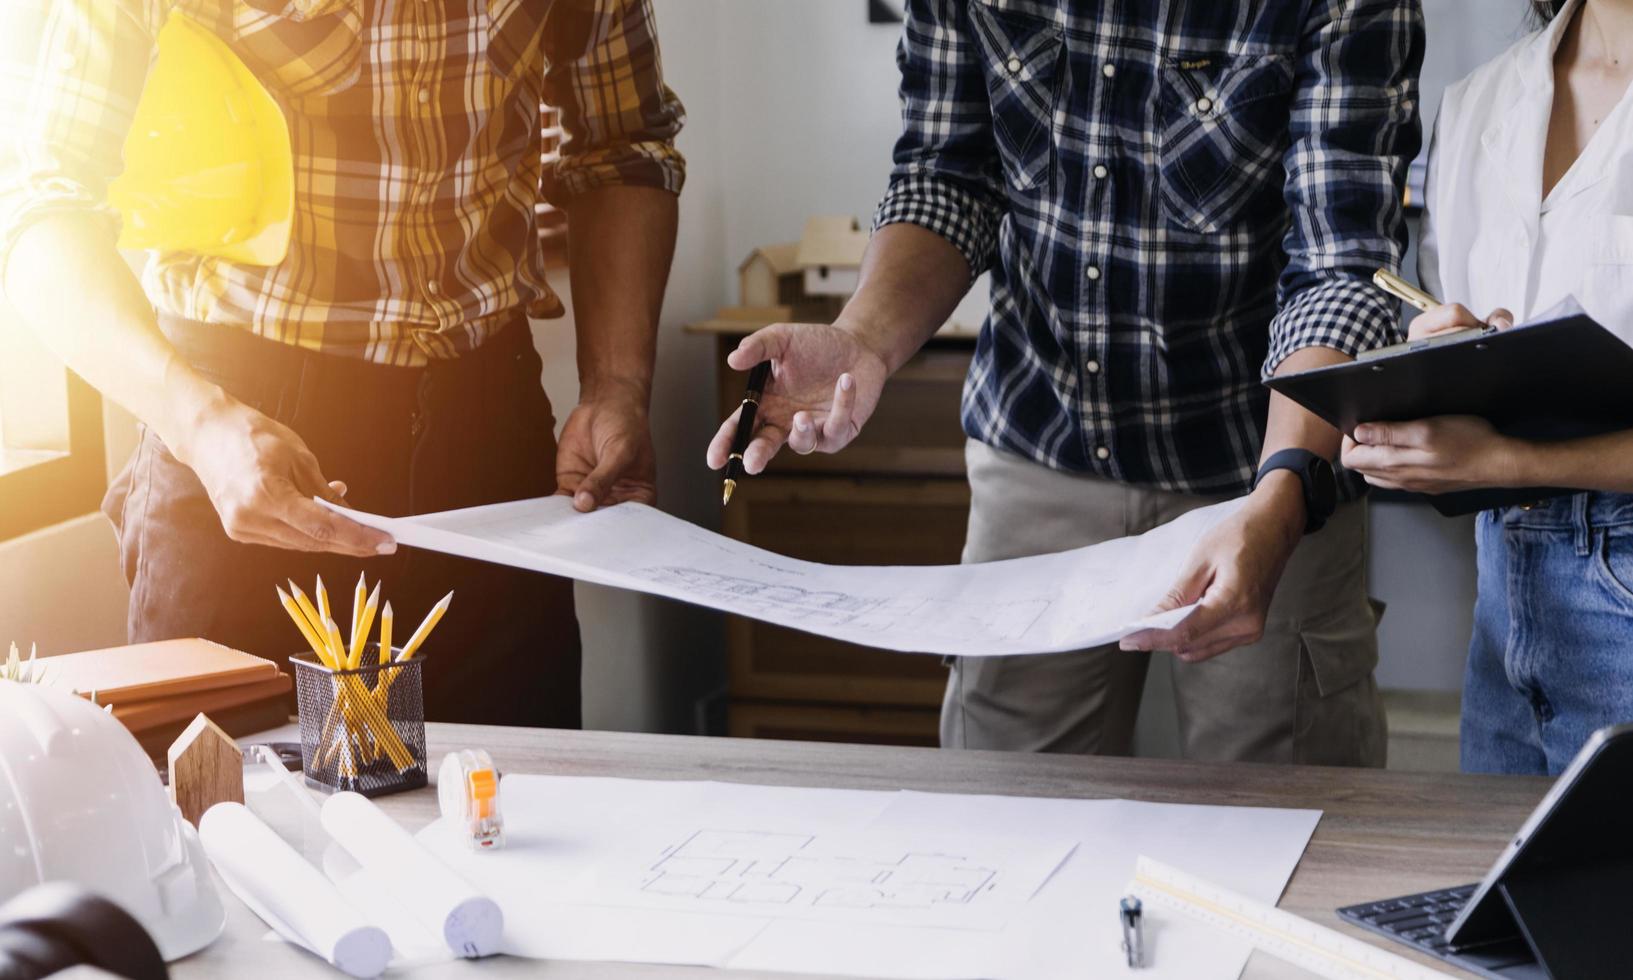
x: 80, y: 802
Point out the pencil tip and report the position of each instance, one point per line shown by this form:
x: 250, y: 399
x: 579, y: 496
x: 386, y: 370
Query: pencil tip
x: 726, y: 491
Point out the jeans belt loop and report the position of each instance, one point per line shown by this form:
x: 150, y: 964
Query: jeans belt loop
x: 1581, y: 524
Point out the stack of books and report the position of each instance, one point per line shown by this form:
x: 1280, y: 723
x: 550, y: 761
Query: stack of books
x: 156, y: 689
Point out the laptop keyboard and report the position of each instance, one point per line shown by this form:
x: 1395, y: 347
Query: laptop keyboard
x: 1419, y: 921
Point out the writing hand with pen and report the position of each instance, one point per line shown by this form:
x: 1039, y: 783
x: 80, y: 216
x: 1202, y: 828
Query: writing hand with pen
x: 824, y: 385
x: 1444, y: 454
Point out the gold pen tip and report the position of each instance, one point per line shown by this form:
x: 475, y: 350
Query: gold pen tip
x: 726, y: 491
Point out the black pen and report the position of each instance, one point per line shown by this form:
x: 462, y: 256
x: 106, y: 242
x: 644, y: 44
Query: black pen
x: 757, y: 377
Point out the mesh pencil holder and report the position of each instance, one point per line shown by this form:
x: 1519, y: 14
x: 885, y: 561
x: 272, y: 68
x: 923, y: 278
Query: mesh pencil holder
x: 362, y: 730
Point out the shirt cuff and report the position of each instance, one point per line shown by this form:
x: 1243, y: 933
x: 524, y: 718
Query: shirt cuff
x: 40, y: 198
x: 1347, y: 315
x: 651, y: 164
x: 949, y: 210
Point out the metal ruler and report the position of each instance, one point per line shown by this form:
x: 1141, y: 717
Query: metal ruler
x: 1324, y: 952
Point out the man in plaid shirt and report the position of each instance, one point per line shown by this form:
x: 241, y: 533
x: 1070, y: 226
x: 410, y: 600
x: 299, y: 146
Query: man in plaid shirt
x: 1174, y: 201
x: 390, y: 349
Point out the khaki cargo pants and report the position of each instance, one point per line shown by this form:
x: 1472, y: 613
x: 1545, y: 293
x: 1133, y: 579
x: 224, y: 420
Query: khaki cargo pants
x: 1304, y: 693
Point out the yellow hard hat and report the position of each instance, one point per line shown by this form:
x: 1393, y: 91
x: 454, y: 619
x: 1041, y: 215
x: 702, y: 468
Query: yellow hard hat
x: 207, y: 162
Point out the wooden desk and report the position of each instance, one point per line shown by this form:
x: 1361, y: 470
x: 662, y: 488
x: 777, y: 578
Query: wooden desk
x: 1383, y: 833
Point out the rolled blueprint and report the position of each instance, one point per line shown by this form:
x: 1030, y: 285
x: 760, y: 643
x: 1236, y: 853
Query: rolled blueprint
x: 290, y: 895
x: 470, y: 923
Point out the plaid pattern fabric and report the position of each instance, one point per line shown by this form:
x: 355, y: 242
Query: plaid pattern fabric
x: 1171, y: 198
x: 415, y: 132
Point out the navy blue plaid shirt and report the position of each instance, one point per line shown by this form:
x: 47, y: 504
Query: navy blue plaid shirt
x: 1172, y: 197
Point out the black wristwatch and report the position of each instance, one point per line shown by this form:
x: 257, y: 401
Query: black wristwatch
x: 1320, y: 485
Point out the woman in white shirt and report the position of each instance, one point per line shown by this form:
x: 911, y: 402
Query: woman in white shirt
x: 1530, y: 201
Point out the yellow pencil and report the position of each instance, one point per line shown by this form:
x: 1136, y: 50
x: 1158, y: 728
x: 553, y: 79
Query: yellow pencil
x: 412, y: 647
x: 359, y: 596
x: 337, y: 649
x: 323, y: 599
x: 431, y: 619
x: 360, y: 629
x: 307, y: 608
x: 385, y: 634
x: 301, y: 624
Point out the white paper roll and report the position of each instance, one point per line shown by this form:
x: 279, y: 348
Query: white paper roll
x: 293, y: 897
x: 470, y: 923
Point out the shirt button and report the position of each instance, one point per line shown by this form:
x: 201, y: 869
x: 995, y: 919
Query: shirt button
x: 1108, y: 69
x: 1100, y: 171
x: 1093, y: 367
x: 1102, y: 453
x: 425, y: 96
x: 63, y: 62
x: 432, y: 287
x: 1014, y: 65
x: 1093, y: 272
x: 1204, y: 104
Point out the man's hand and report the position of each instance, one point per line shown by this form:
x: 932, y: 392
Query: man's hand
x: 605, y: 456
x: 261, y: 477
x: 1437, y: 455
x: 1232, y: 575
x: 825, y: 384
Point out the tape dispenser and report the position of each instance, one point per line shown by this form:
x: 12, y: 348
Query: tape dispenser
x: 468, y: 791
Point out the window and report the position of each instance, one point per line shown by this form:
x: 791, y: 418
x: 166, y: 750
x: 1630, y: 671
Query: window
x: 551, y: 220
x: 52, y: 466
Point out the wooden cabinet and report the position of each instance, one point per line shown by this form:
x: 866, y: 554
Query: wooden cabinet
x: 896, y: 496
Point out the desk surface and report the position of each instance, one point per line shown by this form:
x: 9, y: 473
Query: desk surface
x: 1382, y: 833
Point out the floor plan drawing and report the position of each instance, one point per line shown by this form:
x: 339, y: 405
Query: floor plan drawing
x: 748, y: 868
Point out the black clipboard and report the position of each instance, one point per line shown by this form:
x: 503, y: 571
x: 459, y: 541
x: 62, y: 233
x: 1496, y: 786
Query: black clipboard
x: 1556, y: 379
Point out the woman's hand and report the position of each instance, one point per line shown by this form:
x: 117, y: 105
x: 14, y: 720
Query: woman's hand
x: 1436, y: 455
x: 1452, y: 317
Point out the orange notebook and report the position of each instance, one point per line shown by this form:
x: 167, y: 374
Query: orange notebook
x: 142, y: 716
x: 146, y: 671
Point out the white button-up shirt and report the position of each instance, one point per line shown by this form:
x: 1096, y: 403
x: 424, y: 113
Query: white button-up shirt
x: 1491, y: 238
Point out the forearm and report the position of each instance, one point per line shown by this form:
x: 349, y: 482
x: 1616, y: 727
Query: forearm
x: 70, y: 288
x: 911, y: 280
x: 1603, y: 462
x: 1289, y: 426
x: 620, y: 249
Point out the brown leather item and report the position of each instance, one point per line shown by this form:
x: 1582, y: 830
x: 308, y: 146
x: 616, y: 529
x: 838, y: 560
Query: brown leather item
x: 142, y: 716
x: 154, y: 671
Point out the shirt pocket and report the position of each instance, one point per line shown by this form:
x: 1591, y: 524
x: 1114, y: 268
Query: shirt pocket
x: 1222, y: 133
x: 515, y: 29
x: 1606, y: 263
x: 1021, y: 58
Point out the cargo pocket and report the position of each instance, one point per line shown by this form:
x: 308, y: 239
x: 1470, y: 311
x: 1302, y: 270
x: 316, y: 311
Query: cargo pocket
x: 1021, y: 59
x: 515, y: 28
x: 1222, y: 135
x: 1340, y: 718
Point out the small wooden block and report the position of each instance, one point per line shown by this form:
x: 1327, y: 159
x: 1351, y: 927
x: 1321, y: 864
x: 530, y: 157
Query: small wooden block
x: 206, y: 768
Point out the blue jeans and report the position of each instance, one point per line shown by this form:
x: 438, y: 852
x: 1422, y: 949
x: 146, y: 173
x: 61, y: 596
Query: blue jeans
x: 1551, y: 659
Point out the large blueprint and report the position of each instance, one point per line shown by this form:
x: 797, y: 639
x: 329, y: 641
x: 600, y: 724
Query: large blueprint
x: 1041, y: 604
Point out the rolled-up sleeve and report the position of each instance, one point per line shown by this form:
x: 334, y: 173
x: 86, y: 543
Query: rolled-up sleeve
x: 71, y: 72
x: 619, y: 117
x: 945, y: 177
x: 1354, y: 131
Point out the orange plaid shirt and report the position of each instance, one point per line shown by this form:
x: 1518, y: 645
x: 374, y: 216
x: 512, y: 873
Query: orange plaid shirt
x: 415, y: 132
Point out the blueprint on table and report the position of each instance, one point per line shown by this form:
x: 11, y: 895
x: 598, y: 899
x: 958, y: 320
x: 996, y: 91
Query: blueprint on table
x: 1047, y: 603
x: 1014, y: 888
